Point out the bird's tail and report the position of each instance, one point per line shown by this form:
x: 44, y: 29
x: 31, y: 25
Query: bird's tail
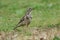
x: 16, y: 27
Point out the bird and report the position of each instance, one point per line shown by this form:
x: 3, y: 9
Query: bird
x: 26, y: 19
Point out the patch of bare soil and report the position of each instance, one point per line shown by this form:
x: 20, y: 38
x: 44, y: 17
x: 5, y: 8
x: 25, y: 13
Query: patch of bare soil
x: 36, y: 34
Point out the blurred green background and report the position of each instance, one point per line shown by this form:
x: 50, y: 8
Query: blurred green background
x: 45, y: 12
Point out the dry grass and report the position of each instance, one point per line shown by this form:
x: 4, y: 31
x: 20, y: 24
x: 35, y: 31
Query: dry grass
x: 36, y: 34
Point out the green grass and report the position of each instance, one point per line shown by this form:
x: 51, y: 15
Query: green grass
x: 45, y: 12
x: 56, y: 38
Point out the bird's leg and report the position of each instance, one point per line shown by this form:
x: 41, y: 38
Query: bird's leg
x: 26, y: 27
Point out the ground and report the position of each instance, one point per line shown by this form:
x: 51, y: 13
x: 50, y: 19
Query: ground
x: 47, y: 13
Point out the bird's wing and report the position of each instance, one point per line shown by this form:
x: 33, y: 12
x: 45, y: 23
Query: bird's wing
x: 21, y: 20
